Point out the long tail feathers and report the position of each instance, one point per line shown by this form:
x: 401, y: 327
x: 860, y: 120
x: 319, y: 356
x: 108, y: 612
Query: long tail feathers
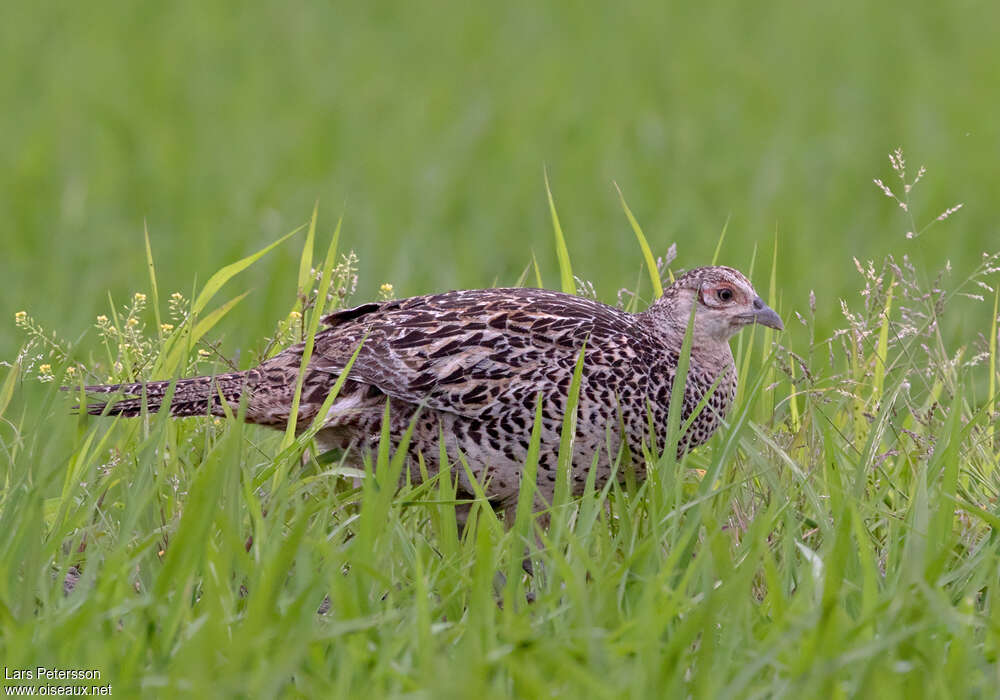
x: 197, y: 396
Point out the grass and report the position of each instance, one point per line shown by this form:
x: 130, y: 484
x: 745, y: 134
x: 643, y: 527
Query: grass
x: 843, y: 548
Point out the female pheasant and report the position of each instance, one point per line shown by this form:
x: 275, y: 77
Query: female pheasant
x: 469, y: 366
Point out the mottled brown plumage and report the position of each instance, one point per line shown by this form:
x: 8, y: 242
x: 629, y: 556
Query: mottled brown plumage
x: 469, y: 365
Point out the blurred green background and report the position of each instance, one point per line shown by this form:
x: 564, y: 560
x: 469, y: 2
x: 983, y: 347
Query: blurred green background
x: 428, y: 125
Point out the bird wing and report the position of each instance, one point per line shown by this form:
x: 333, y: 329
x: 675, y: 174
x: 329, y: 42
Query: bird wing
x: 461, y: 351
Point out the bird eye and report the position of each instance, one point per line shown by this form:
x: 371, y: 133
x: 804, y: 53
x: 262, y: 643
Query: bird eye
x: 725, y: 294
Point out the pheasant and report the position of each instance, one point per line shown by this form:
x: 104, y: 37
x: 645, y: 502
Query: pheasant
x: 470, y: 366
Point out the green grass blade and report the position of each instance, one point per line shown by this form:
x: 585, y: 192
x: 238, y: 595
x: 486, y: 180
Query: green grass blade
x: 216, y: 281
x: 446, y: 511
x: 180, y: 344
x: 528, y: 485
x: 317, y: 314
x: 672, y: 439
x: 647, y: 254
x: 882, y: 348
x: 567, y: 438
x: 718, y: 245
x: 305, y: 280
x: 767, y: 337
x: 562, y: 252
x: 527, y: 500
x: 318, y: 421
x: 7, y: 390
x: 154, y: 290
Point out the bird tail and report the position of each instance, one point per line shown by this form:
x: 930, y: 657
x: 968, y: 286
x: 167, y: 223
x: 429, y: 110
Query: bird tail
x: 197, y: 396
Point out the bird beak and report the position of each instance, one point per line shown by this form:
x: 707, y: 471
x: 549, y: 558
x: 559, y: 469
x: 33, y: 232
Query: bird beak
x: 765, y: 315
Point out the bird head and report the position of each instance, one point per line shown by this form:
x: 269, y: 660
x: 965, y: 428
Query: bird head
x: 724, y: 301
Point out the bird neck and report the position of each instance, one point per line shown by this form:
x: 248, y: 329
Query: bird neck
x: 708, y: 352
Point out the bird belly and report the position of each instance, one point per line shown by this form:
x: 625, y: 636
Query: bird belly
x: 495, y: 445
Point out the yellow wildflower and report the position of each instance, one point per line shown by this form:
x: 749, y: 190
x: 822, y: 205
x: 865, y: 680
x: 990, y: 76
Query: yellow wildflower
x: 386, y: 291
x: 139, y: 298
x: 20, y: 317
x: 71, y: 371
x: 203, y: 352
x: 166, y: 327
x: 295, y: 314
x: 102, y: 319
x: 132, y: 322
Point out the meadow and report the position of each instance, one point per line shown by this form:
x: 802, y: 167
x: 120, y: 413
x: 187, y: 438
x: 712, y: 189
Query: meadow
x: 837, y: 538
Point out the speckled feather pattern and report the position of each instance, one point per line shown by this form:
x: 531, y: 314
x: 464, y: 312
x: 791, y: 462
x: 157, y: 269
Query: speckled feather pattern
x: 469, y: 366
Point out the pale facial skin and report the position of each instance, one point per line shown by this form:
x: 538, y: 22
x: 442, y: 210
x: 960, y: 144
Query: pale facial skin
x: 723, y: 308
